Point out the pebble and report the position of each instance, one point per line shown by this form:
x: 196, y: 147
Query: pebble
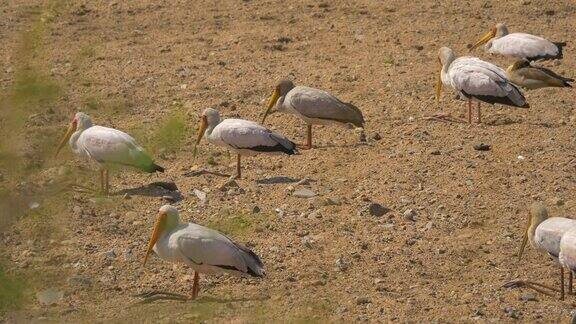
x: 49, y: 296
x: 341, y: 265
x: 255, y: 210
x: 558, y: 201
x: 528, y: 297
x: 410, y: 215
x: 482, y: 147
x: 110, y: 254
x: 307, y: 241
x: 512, y: 312
x: 362, y: 301
x: 376, y: 137
x: 377, y: 210
x: 304, y: 193
x: 34, y: 205
x: 435, y: 152
x: 279, y: 211
x: 201, y: 195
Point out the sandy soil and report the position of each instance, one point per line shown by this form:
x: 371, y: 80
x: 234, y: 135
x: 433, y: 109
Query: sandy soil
x: 136, y: 66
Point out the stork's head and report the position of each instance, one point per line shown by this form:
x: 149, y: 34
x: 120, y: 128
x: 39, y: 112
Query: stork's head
x: 210, y: 117
x: 80, y: 121
x: 496, y: 31
x: 167, y: 220
x: 280, y: 90
x: 537, y: 214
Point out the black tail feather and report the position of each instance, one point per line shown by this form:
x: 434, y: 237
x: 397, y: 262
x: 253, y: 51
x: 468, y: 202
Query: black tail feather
x: 560, y: 46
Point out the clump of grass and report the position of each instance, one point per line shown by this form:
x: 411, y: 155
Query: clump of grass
x: 170, y: 134
x: 235, y: 225
x: 11, y: 291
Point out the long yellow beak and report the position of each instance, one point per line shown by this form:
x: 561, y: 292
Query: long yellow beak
x: 155, y: 235
x: 438, y: 87
x: 201, y: 130
x: 488, y: 36
x: 69, y: 132
x: 271, y: 102
x: 525, y: 238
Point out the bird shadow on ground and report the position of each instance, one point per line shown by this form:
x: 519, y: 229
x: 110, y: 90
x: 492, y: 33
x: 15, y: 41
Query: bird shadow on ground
x: 155, y: 189
x: 323, y: 146
x: 277, y: 180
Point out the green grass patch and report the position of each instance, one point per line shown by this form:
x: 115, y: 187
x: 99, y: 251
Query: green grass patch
x: 11, y: 291
x: 170, y: 134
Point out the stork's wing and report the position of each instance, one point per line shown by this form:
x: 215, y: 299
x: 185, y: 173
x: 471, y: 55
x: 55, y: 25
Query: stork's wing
x: 315, y: 103
x: 245, y: 134
x: 204, y: 246
x: 109, y: 145
x: 525, y: 46
x: 484, y: 81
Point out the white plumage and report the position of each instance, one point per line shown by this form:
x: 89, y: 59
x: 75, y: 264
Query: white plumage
x: 203, y: 249
x: 242, y: 137
x: 545, y: 235
x: 107, y: 146
x: 567, y: 255
x: 475, y: 79
x: 247, y: 137
x: 519, y: 45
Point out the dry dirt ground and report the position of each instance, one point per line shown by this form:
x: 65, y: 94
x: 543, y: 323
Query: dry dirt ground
x: 150, y: 67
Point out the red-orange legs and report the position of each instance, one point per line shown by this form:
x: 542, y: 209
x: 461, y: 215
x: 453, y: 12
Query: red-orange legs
x: 479, y: 114
x: 469, y: 111
x: 238, y: 168
x: 308, y: 144
x: 196, y: 285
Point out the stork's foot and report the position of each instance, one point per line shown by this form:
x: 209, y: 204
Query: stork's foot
x: 152, y: 296
x: 532, y: 285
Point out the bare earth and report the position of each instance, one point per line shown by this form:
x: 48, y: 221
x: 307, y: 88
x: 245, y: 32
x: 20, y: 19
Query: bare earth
x: 132, y: 66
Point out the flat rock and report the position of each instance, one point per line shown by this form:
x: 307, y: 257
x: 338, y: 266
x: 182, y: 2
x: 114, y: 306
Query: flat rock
x: 377, y: 210
x: 49, y: 296
x: 304, y: 193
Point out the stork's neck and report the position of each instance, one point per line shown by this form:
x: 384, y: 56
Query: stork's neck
x: 74, y: 140
x: 211, y: 127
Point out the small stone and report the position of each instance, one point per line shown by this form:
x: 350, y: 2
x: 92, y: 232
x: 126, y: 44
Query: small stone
x: 482, y: 147
x: 201, y: 195
x: 110, y: 254
x: 558, y: 201
x: 377, y: 210
x: 304, y: 193
x: 341, y: 265
x: 230, y: 183
x: 362, y: 301
x: 376, y: 137
x: 331, y: 202
x: 307, y: 241
x: 410, y: 215
x: 279, y: 211
x: 418, y: 47
x: 528, y: 297
x: 255, y: 210
x: 49, y: 296
x: 513, y: 313
x: 434, y: 152
x: 33, y: 205
x: 521, y: 158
